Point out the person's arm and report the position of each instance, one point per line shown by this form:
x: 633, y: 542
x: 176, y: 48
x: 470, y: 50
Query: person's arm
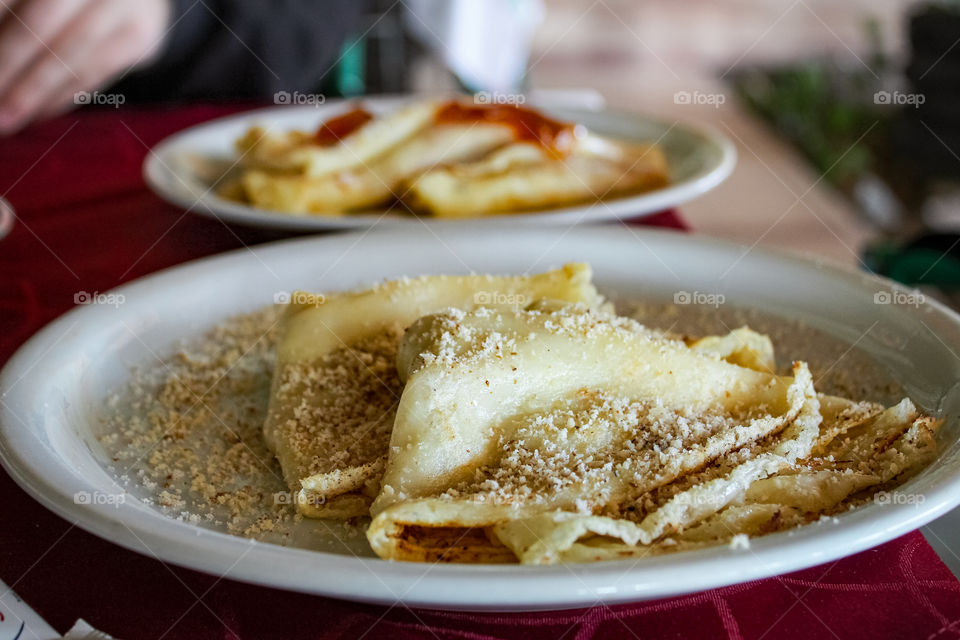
x: 53, y: 50
x: 245, y: 48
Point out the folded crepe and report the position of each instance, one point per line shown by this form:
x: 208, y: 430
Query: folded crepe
x: 561, y: 433
x: 300, y: 152
x: 336, y: 386
x: 528, y: 176
x: 377, y: 181
x: 448, y: 158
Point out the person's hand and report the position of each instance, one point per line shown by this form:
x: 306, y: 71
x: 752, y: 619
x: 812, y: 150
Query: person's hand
x: 52, y: 49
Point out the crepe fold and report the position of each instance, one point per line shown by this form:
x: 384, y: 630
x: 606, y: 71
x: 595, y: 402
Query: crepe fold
x: 526, y: 176
x: 562, y: 433
x: 376, y: 182
x: 336, y: 387
x: 296, y: 152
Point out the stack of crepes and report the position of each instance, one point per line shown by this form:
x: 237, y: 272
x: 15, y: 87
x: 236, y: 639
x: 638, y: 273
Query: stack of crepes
x: 505, y: 419
x: 445, y: 158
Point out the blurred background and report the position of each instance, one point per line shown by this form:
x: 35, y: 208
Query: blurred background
x: 836, y: 156
x: 845, y: 114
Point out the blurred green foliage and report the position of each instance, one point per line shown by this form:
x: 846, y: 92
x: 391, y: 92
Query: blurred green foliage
x: 824, y: 107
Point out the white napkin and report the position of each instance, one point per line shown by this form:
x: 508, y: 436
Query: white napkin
x: 19, y: 621
x: 485, y: 42
x: 83, y: 631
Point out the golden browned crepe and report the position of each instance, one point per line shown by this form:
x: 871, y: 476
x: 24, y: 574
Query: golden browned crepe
x: 560, y: 433
x: 525, y: 176
x: 376, y: 181
x: 336, y: 387
x: 450, y: 159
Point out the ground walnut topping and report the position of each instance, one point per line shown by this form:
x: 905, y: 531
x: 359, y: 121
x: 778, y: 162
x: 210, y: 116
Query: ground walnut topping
x: 596, y: 444
x: 188, y: 430
x: 345, y: 404
x: 186, y: 436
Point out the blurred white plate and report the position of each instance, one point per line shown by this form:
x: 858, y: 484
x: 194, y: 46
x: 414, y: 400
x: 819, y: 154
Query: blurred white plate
x: 56, y: 384
x: 184, y: 168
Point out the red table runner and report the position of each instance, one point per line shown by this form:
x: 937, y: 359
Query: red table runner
x: 87, y: 223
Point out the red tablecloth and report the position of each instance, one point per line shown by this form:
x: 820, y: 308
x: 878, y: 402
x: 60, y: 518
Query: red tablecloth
x: 87, y: 223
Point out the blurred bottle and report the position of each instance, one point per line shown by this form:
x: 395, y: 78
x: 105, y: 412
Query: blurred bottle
x: 927, y: 134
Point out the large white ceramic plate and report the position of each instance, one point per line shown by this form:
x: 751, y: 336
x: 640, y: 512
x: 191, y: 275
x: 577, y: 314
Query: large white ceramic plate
x: 53, y: 387
x: 185, y: 168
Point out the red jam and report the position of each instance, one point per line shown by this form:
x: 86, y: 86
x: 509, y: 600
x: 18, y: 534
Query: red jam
x: 336, y: 129
x: 527, y: 124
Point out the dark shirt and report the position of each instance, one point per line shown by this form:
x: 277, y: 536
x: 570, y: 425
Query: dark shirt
x: 245, y: 49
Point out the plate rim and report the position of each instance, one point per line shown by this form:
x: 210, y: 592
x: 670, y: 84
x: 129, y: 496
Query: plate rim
x: 157, y: 174
x: 873, y: 524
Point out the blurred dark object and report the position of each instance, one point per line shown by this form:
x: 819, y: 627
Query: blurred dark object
x: 246, y: 49
x: 389, y: 50
x: 380, y: 59
x: 243, y: 49
x: 929, y: 259
x: 930, y: 133
x: 926, y: 135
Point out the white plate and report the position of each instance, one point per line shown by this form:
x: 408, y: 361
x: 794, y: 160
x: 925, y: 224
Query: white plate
x: 183, y: 168
x: 53, y: 387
